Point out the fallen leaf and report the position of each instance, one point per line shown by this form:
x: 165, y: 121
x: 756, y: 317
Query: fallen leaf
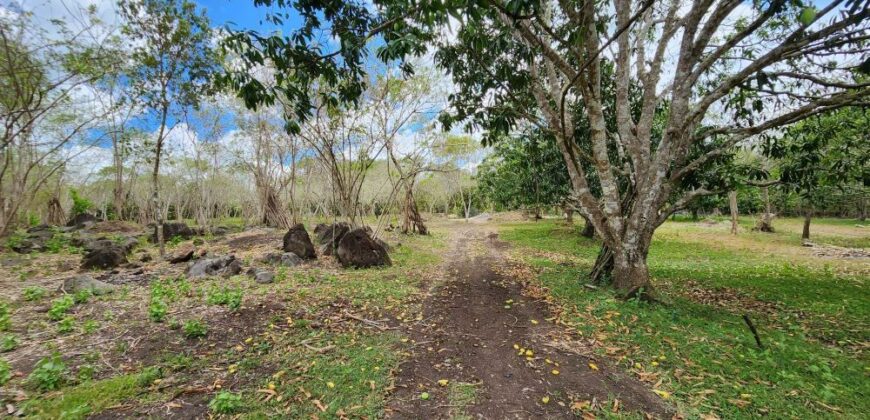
x: 443, y: 382
x: 664, y: 394
x: 545, y: 399
x: 593, y: 366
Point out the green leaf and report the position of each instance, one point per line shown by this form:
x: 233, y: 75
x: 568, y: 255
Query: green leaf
x: 808, y: 14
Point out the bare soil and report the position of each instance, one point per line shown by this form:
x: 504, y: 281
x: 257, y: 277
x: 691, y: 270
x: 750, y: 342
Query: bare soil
x: 473, y: 323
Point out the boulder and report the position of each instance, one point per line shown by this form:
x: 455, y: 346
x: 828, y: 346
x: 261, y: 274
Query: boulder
x: 82, y: 220
x: 86, y: 282
x: 286, y: 259
x: 173, y: 229
x: 262, y: 276
x: 219, y: 266
x: 358, y: 249
x: 328, y: 236
x: 297, y: 241
x: 104, y: 253
x: 182, y: 256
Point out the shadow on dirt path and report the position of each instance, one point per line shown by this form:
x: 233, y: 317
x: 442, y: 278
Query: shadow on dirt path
x: 474, y: 327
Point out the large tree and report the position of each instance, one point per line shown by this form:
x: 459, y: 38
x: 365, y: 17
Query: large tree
x: 173, y: 59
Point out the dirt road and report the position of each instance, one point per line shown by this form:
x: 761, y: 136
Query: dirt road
x: 499, y: 355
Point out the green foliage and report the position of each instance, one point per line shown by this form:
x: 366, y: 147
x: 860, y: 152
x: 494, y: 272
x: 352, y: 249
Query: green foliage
x: 82, y: 296
x: 231, y: 297
x: 15, y: 239
x: 226, y: 403
x: 90, y: 326
x: 5, y: 321
x: 49, y: 374
x: 194, y: 328
x: 66, y: 325
x: 60, y: 306
x: 33, y: 293
x: 80, y: 204
x: 90, y: 397
x: 149, y: 375
x: 33, y: 219
x: 5, y: 372
x: 8, y: 343
x: 157, y: 310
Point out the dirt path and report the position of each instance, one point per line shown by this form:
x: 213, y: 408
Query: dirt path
x: 472, y: 325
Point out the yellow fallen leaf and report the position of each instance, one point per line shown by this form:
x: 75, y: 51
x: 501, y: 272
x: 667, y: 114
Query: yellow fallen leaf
x: 271, y: 385
x: 534, y: 322
x: 529, y: 353
x: 545, y: 400
x: 663, y: 394
x: 516, y: 346
x: 593, y: 366
x: 330, y: 384
x: 443, y: 382
x: 249, y: 340
x: 554, y: 372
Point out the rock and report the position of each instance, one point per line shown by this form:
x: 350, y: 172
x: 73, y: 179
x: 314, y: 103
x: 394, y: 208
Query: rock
x: 220, y: 231
x: 82, y: 220
x: 286, y: 259
x: 104, y: 253
x: 297, y: 241
x: 261, y: 276
x: 145, y: 257
x: 182, y: 256
x: 358, y: 249
x: 24, y: 246
x: 86, y: 282
x: 328, y: 236
x: 218, y: 266
x: 173, y: 229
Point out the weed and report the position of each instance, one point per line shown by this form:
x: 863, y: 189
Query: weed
x: 16, y: 239
x: 175, y: 240
x: 9, y: 343
x: 49, y: 374
x: 86, y: 372
x: 232, y: 298
x: 5, y: 372
x: 149, y: 375
x: 82, y: 296
x: 66, y: 325
x: 178, y: 362
x: 226, y: 403
x: 194, y: 328
x: 157, y: 310
x: 90, y: 326
x: 33, y: 293
x: 60, y: 306
x: 5, y: 321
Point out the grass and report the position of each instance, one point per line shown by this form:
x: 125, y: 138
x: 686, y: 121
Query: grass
x: 78, y: 402
x: 813, y: 320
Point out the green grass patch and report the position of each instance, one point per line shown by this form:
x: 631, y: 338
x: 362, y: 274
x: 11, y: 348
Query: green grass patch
x: 704, y: 355
x: 80, y: 401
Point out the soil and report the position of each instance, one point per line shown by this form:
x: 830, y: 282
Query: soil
x: 470, y: 326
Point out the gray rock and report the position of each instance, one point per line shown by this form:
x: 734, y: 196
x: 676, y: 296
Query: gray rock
x: 219, y: 266
x: 286, y: 259
x: 82, y: 220
x: 262, y: 276
x: 86, y: 282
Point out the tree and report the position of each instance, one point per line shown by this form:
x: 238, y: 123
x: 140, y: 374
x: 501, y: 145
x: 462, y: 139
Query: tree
x: 525, y: 171
x: 172, y: 62
x: 724, y: 79
x: 456, y: 154
x: 826, y: 152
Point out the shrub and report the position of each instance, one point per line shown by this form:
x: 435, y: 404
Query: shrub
x: 232, y: 298
x: 5, y: 372
x: 157, y: 310
x: 80, y: 204
x: 226, y: 403
x: 15, y: 239
x: 49, y: 374
x: 34, y: 293
x: 57, y: 243
x: 60, y: 306
x: 8, y: 343
x: 66, y: 325
x: 82, y: 296
x: 194, y: 328
x: 32, y: 219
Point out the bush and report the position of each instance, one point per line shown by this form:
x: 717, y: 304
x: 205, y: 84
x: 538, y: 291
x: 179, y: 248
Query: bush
x: 194, y: 328
x: 226, y: 403
x: 80, y: 204
x: 82, y: 296
x: 232, y: 298
x: 157, y: 310
x: 50, y: 374
x: 8, y: 343
x: 34, y: 293
x: 66, y: 325
x: 60, y: 306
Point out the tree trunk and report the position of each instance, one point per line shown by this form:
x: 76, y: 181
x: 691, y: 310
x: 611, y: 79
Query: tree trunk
x: 272, y: 208
x: 808, y: 215
x: 588, y: 230
x: 631, y: 274
x: 765, y: 224
x: 569, y: 215
x: 732, y: 204
x: 603, y: 267
x: 55, y: 212
x: 412, y: 221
